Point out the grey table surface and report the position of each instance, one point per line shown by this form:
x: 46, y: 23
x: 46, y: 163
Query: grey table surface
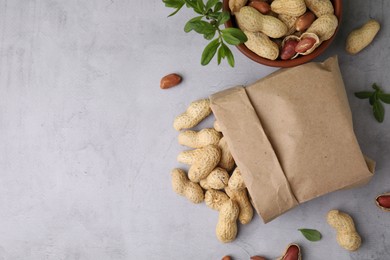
x: 87, y: 144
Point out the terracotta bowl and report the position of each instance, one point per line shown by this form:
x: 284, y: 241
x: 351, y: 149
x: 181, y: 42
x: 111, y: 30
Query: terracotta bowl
x: 337, y: 4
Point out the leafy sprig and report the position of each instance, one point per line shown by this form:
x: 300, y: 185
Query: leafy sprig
x: 376, y: 98
x: 208, y: 22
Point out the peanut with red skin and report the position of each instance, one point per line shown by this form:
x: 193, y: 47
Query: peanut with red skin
x: 305, y: 44
x: 288, y: 50
x: 293, y: 252
x: 226, y: 257
x: 383, y: 201
x: 304, y: 21
x: 256, y: 257
x: 170, y: 81
x: 262, y: 7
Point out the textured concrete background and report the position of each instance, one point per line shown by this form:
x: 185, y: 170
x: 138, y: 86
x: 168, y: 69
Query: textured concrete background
x: 87, y: 144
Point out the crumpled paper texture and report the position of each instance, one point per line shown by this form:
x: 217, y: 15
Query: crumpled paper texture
x: 291, y: 134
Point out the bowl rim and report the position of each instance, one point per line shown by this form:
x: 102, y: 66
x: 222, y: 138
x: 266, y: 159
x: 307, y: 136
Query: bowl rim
x: 338, y: 10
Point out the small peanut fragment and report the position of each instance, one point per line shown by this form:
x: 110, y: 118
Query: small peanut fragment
x: 288, y: 49
x: 360, y: 38
x: 262, y: 7
x: 256, y: 257
x: 226, y: 257
x: 292, y: 252
x: 305, y: 44
x: 303, y: 22
x: 383, y: 201
x: 170, y: 81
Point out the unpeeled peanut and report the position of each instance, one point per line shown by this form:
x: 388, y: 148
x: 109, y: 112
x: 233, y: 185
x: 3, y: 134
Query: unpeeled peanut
x: 360, y: 38
x: 236, y: 182
x: 199, y: 139
x: 214, y: 199
x: 347, y: 237
x: 184, y: 187
x: 289, y: 21
x: 227, y: 160
x: 217, y: 179
x: 195, y: 113
x: 260, y: 44
x: 324, y: 27
x: 249, y: 19
x: 289, y: 7
x: 202, y: 161
x: 236, y: 5
x: 320, y: 7
x: 241, y: 197
x: 217, y: 126
x: 226, y: 229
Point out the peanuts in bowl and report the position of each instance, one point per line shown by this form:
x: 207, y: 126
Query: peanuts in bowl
x: 276, y: 28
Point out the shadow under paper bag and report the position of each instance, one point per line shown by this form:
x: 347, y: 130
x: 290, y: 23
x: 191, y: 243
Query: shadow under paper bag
x: 291, y: 135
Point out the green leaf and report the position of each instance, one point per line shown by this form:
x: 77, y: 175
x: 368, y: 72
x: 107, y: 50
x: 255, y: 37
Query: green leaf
x: 373, y: 98
x: 223, y: 18
x: 311, y: 234
x: 173, y: 3
x: 210, y: 35
x: 209, y: 52
x: 363, y: 94
x: 376, y: 87
x: 211, y: 3
x: 229, y: 56
x: 178, y: 4
x: 218, y: 7
x: 221, y: 53
x: 194, y: 5
x: 190, y: 24
x: 384, y: 97
x: 233, y: 36
x: 379, y: 111
x: 201, y: 27
x: 200, y: 5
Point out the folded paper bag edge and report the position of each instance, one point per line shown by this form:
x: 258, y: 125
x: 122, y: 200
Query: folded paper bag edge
x: 270, y: 175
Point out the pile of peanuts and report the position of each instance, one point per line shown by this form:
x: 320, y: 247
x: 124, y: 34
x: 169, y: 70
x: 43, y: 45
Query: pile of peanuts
x: 212, y: 176
x: 284, y: 29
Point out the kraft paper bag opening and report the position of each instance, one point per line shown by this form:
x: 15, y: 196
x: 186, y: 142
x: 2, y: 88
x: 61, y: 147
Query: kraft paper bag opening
x: 291, y: 135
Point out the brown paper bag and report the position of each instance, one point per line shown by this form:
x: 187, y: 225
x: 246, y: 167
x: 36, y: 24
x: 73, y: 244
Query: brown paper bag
x: 291, y: 134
